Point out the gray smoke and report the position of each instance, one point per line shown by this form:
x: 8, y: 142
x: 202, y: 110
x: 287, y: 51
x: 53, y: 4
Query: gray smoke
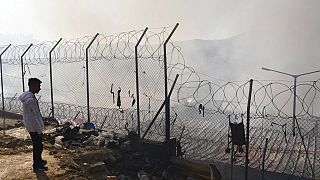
x: 280, y: 35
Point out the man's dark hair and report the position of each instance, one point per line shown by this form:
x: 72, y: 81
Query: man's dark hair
x: 32, y: 81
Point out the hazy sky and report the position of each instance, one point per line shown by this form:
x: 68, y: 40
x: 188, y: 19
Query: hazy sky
x: 284, y: 31
x: 209, y: 19
x: 48, y: 19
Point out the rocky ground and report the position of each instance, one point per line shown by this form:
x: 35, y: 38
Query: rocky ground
x: 84, y: 162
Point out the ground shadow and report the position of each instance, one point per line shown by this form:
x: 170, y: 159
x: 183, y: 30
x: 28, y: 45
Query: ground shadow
x: 41, y: 175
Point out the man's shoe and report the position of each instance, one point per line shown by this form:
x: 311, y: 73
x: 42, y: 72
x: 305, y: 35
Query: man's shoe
x: 40, y: 168
x: 43, y: 162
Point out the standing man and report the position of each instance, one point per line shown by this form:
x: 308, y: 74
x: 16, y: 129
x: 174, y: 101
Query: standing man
x: 33, y: 122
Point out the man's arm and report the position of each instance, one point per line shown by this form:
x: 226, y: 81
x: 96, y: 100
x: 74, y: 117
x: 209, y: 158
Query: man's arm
x: 36, y: 116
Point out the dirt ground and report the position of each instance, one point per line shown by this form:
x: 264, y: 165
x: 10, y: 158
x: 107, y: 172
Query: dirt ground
x: 16, y: 157
x: 16, y: 154
x: 85, y: 162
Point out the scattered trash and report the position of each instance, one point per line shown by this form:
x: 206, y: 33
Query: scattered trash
x: 87, y: 152
x: 57, y: 146
x: 142, y: 175
x: 76, y: 122
x: 112, y: 144
x: 97, y: 168
x: 89, y: 126
x: 58, y: 143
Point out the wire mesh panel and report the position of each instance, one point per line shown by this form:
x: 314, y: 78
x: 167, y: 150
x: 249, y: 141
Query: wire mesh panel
x: 12, y: 88
x: 200, y: 108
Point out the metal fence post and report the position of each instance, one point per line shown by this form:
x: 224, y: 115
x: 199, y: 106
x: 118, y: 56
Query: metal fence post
x: 167, y: 106
x: 161, y: 107
x: 248, y: 130
x: 137, y: 78
x: 51, y: 86
x: 2, y: 93
x: 264, y: 158
x: 87, y: 76
x: 22, y: 69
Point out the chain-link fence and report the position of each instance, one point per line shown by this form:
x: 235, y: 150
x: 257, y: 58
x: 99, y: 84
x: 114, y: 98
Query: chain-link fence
x: 200, y: 109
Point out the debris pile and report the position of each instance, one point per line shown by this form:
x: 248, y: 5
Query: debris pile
x: 97, y: 154
x: 85, y: 152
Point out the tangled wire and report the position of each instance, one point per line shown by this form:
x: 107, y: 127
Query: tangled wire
x: 191, y: 89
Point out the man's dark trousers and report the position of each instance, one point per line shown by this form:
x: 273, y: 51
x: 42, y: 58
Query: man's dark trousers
x: 37, y: 148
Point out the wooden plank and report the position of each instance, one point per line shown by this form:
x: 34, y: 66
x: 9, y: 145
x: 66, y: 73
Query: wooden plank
x: 196, y: 169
